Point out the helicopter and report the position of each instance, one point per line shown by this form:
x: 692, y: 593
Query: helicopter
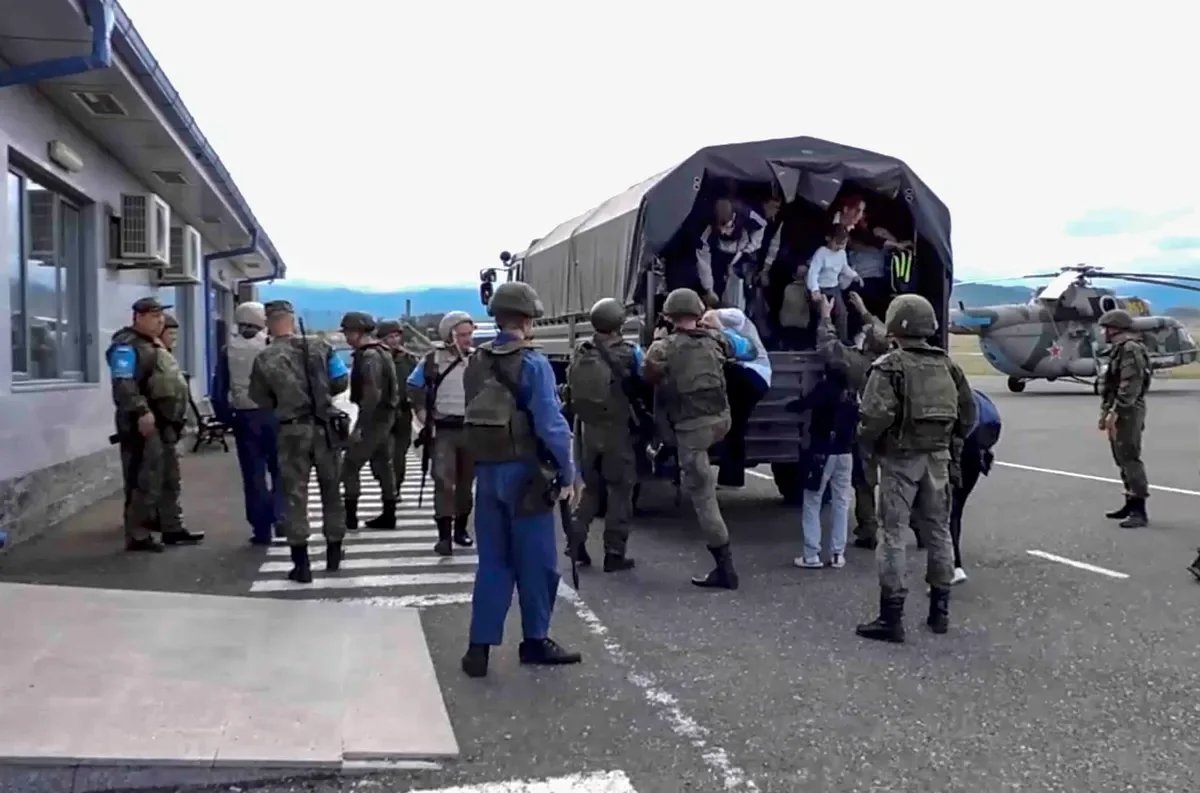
x: 1055, y: 336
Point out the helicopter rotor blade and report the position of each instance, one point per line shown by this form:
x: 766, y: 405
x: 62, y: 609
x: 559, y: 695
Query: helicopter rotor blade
x: 1152, y: 282
x: 1160, y: 277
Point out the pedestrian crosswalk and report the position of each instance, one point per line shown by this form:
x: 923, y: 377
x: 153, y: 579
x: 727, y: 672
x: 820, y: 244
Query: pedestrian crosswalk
x: 601, y: 782
x: 388, y: 567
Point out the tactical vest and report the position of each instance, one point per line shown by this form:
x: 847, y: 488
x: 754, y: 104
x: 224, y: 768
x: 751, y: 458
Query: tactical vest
x: 166, y: 389
x: 389, y: 396
x: 1112, y: 381
x: 929, y: 405
x: 597, y: 392
x: 695, y: 386
x: 498, y: 431
x: 405, y: 364
x: 451, y: 396
x: 241, y: 353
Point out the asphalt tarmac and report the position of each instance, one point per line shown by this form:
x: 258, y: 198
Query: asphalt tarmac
x: 1072, y: 662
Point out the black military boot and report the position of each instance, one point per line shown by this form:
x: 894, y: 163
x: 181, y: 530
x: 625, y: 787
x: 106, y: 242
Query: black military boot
x: 475, y: 662
x: 182, y: 536
x: 301, y: 571
x: 1119, y: 514
x: 1195, y: 567
x: 149, y: 544
x: 723, y: 576
x: 866, y: 543
x: 333, y: 555
x: 461, y: 535
x: 939, y: 610
x: 1137, y: 517
x: 351, y: 514
x: 546, y: 652
x: 386, y: 519
x: 616, y: 562
x: 889, y: 627
x: 443, y: 546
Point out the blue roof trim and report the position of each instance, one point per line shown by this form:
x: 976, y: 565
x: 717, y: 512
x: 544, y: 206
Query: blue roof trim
x: 137, y: 56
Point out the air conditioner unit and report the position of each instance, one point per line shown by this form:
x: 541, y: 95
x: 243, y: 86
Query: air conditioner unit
x: 145, y: 229
x: 184, y: 266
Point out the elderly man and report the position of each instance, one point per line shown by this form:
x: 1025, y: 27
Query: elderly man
x: 437, y: 392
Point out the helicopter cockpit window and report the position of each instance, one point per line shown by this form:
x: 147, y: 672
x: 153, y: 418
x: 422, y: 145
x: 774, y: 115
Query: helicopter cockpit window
x: 1107, y: 303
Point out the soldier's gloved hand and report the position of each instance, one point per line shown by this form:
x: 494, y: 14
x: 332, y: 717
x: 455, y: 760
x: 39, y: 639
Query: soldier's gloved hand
x: 145, y: 424
x: 575, y: 494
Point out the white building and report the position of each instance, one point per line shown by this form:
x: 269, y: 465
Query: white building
x: 112, y: 193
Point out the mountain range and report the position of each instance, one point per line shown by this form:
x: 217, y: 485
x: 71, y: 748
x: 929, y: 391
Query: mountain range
x: 322, y: 306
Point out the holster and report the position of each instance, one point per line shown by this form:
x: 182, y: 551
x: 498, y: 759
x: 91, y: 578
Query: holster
x: 537, y: 496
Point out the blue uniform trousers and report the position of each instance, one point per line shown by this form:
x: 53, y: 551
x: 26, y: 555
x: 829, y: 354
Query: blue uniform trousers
x: 256, y: 435
x: 512, y: 549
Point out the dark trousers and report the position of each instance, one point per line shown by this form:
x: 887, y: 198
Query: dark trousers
x: 256, y: 435
x: 745, y: 389
x: 972, y: 460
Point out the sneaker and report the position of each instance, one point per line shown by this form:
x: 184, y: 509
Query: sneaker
x: 814, y: 563
x: 837, y: 561
x: 960, y: 575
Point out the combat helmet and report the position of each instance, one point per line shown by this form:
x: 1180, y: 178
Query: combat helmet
x: 358, y: 321
x: 911, y: 316
x: 516, y: 297
x: 451, y: 321
x: 608, y: 315
x: 1117, y: 319
x: 387, y: 327
x: 683, y: 303
x: 250, y: 313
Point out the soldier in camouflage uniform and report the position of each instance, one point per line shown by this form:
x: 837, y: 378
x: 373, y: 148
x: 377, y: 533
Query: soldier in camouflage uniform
x: 687, y: 367
x: 1123, y: 412
x: 376, y: 391
x: 300, y: 390
x: 391, y: 333
x: 857, y: 361
x: 151, y: 399
x: 170, y: 334
x: 916, y: 403
x: 599, y: 382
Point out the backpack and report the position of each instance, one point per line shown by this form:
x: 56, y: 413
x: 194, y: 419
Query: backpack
x: 596, y: 394
x: 987, y: 427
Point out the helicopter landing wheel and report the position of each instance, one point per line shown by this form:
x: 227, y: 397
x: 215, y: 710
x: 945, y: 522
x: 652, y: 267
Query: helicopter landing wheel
x: 1016, y: 385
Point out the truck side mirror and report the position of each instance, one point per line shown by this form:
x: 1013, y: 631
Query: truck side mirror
x: 485, y: 292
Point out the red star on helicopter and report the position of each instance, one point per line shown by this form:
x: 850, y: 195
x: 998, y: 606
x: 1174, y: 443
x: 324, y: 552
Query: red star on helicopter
x: 1055, y: 350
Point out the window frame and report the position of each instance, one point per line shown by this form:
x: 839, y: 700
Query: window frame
x: 23, y: 380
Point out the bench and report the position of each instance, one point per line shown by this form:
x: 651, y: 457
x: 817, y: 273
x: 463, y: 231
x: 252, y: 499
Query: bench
x: 209, y: 429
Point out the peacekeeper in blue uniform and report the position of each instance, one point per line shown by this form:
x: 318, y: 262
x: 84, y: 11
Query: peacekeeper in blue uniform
x: 523, y: 467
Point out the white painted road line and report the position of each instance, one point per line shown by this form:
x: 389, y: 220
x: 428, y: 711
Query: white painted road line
x: 376, y: 534
x: 716, y: 758
x: 322, y: 580
x: 1073, y: 475
x: 382, y: 564
x: 608, y: 782
x: 352, y: 548
x: 1091, y: 568
x: 409, y: 601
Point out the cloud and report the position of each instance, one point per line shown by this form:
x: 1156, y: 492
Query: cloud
x: 1179, y: 244
x: 1104, y: 222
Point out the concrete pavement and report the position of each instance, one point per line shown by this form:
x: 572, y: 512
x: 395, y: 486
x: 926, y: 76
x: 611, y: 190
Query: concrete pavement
x: 1054, y: 677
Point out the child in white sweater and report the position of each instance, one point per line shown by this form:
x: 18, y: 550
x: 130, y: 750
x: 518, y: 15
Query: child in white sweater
x: 828, y: 270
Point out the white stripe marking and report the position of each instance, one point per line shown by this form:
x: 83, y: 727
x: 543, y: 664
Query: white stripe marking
x: 409, y: 601
x: 379, y: 534
x: 363, y: 582
x: 363, y: 548
x: 608, y: 782
x: 382, y: 564
x: 732, y: 777
x: 1091, y: 568
x: 1073, y: 475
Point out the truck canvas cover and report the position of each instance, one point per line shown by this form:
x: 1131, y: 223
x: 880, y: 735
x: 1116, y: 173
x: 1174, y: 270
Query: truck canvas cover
x: 602, y: 252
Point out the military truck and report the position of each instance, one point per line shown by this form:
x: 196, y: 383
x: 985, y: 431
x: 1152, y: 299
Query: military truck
x: 634, y: 246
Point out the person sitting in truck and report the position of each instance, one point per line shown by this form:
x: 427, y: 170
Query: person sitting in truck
x: 747, y: 380
x: 728, y: 247
x: 758, y: 277
x: 796, y: 314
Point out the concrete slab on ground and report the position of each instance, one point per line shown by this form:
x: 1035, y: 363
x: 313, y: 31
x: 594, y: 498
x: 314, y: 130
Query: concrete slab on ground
x: 115, y: 677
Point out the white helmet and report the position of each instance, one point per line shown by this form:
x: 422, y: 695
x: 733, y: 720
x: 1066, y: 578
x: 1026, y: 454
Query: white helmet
x: 250, y: 313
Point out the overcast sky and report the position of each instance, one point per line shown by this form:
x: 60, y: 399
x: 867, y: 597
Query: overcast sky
x: 387, y: 144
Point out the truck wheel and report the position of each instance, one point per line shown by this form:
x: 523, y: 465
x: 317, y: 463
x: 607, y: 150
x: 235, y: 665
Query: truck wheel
x: 1016, y: 385
x: 788, y: 482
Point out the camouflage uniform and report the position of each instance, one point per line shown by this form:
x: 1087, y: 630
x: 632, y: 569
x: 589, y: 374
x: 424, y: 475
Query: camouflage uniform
x: 605, y: 441
x: 916, y: 402
x: 858, y: 364
x: 1123, y: 400
x: 376, y: 392
x: 146, y: 379
x: 688, y: 369
x: 404, y: 362
x: 301, y: 393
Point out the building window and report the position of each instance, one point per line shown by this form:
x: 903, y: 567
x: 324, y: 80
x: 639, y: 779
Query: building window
x: 181, y: 298
x: 46, y: 271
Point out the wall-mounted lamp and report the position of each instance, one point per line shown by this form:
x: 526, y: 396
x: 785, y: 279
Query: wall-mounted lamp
x: 65, y: 157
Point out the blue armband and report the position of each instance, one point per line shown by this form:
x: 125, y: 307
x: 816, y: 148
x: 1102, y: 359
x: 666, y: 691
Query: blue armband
x: 122, y: 362
x: 337, y: 367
